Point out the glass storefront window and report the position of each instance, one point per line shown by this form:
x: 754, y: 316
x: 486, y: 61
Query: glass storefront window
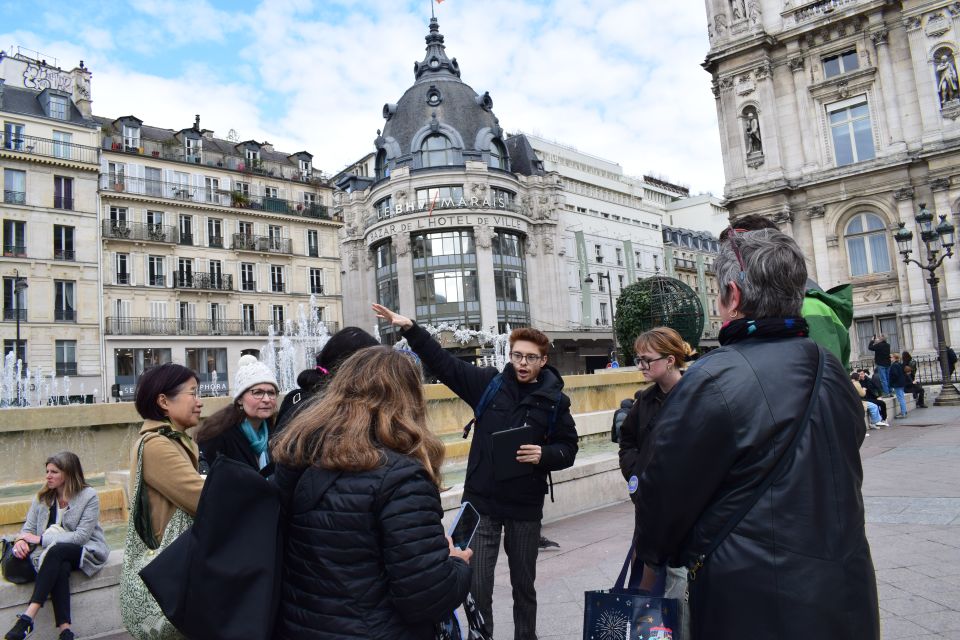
x: 130, y: 365
x: 445, y: 278
x: 510, y: 280
x: 211, y: 368
x: 445, y: 243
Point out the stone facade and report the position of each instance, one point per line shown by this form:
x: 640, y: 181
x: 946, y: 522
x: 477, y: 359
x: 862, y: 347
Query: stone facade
x: 49, y: 159
x: 207, y: 243
x: 838, y: 118
x: 689, y: 257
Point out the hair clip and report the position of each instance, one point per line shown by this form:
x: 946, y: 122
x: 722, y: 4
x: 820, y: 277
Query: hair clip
x: 322, y: 370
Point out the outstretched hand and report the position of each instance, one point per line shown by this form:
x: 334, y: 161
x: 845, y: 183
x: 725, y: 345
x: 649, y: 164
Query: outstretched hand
x: 395, y: 319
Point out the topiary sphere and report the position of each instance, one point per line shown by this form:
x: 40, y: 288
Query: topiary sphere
x: 658, y: 301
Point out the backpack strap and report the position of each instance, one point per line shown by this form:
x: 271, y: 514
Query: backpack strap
x: 488, y: 394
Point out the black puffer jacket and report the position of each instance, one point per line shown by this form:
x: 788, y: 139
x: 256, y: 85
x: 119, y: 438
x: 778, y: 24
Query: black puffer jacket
x: 798, y: 566
x: 367, y: 558
x: 517, y: 498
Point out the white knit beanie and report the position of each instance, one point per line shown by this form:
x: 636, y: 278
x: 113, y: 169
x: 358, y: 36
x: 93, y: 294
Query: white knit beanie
x: 251, y: 371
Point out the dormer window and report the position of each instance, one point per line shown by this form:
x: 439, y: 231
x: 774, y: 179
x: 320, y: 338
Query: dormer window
x: 306, y: 168
x: 59, y: 107
x: 841, y: 63
x: 437, y: 151
x: 253, y: 155
x: 193, y: 149
x: 498, y: 155
x: 131, y: 138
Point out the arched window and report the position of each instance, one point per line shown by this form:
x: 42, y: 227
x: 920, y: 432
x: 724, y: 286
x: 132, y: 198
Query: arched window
x: 867, y: 245
x: 498, y: 155
x: 436, y: 151
x: 381, y: 168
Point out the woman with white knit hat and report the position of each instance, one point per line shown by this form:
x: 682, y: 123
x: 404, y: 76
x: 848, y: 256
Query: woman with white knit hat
x: 242, y: 430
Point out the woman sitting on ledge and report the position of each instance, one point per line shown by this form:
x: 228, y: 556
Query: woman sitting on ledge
x: 61, y: 534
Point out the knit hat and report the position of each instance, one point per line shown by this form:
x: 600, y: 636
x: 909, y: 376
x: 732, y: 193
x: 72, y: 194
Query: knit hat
x: 251, y: 371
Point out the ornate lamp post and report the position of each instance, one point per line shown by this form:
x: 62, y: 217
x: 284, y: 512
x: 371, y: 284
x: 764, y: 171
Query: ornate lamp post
x: 934, y: 239
x: 613, y: 329
x: 19, y: 286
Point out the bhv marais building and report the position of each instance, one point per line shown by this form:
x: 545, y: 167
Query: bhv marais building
x: 838, y: 119
x: 450, y: 220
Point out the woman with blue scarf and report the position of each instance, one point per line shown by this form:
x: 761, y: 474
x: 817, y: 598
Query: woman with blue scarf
x: 242, y: 430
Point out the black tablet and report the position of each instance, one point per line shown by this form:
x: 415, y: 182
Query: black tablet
x: 506, y: 443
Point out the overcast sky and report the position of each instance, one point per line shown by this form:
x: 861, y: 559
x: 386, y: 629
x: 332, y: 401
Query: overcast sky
x: 620, y: 79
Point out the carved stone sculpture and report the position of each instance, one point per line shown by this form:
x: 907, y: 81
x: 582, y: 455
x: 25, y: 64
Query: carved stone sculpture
x: 946, y: 79
x: 482, y: 236
x: 752, y: 130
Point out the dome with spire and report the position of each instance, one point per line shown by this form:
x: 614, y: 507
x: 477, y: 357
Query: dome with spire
x: 440, y: 120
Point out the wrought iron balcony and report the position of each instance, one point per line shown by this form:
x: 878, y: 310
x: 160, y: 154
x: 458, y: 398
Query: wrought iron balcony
x: 263, y: 244
x: 123, y: 278
x: 203, y: 195
x: 14, y: 314
x: 16, y: 250
x: 31, y: 145
x: 14, y: 197
x: 213, y: 282
x: 186, y: 327
x: 64, y: 315
x: 156, y: 281
x: 59, y: 254
x: 216, y: 241
x: 186, y: 239
x: 140, y: 231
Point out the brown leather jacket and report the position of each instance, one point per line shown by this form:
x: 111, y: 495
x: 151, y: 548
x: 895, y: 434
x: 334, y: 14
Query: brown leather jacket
x: 169, y: 474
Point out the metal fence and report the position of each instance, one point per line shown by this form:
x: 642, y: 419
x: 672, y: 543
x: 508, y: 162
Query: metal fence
x: 927, y: 369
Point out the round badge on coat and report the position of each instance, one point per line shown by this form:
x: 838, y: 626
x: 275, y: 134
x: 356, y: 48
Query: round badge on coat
x: 632, y: 484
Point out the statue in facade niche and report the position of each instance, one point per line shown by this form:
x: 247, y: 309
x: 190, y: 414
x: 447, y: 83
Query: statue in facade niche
x: 738, y: 9
x: 946, y: 79
x: 720, y: 22
x: 754, y: 141
x: 753, y: 11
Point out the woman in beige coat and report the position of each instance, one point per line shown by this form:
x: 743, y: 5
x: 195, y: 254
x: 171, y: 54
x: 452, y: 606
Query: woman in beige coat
x: 168, y: 399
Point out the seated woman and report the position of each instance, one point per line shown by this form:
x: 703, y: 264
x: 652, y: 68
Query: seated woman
x: 61, y: 534
x: 241, y: 430
x: 358, y: 472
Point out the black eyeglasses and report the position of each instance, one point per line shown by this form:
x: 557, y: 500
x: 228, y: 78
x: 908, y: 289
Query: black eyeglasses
x: 532, y: 358
x: 260, y: 394
x: 645, y: 363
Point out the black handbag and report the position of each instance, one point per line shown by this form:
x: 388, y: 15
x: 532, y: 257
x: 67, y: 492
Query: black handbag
x: 14, y: 569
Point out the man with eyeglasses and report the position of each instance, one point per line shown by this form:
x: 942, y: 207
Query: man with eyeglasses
x: 530, y: 393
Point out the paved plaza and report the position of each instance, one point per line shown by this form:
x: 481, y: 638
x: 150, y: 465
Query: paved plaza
x: 912, y: 494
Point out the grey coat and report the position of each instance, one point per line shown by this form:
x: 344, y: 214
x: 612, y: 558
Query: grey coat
x: 81, y: 519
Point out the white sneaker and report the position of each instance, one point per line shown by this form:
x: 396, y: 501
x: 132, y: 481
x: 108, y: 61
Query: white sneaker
x: 881, y: 424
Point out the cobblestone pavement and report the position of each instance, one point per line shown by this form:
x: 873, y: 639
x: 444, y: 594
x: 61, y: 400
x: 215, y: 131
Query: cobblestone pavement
x: 912, y: 496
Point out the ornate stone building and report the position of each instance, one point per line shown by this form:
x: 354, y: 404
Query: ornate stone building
x: 689, y: 256
x: 206, y: 244
x: 461, y: 223
x: 49, y: 162
x: 837, y: 119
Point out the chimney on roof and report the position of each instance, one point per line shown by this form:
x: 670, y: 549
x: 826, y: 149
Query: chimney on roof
x: 82, y: 96
x: 196, y: 122
x: 266, y: 146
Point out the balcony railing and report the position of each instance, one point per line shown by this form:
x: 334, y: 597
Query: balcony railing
x: 209, y: 281
x: 140, y: 231
x: 13, y: 314
x: 59, y: 254
x: 156, y: 281
x: 66, y: 368
x: 216, y: 241
x: 683, y: 263
x: 62, y: 202
x: 186, y: 238
x: 244, y: 242
x: 31, y: 145
x: 184, y: 327
x: 14, y: 197
x: 64, y: 315
x: 204, y: 195
x: 14, y: 250
x: 123, y: 278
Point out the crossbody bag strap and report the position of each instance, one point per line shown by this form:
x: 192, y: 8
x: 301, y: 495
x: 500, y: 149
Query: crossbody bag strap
x: 770, y: 477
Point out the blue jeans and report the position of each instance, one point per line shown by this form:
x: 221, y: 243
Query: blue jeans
x: 874, y: 412
x: 884, y: 378
x: 898, y: 391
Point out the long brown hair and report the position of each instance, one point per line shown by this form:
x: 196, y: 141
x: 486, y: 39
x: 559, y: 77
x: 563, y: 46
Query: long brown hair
x: 375, y: 402
x: 73, y: 483
x: 666, y: 342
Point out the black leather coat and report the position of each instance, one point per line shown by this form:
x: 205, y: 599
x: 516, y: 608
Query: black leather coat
x: 798, y: 565
x: 367, y: 558
x: 517, y: 498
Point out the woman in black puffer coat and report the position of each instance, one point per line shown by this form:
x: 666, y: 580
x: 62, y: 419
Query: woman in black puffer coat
x: 366, y: 555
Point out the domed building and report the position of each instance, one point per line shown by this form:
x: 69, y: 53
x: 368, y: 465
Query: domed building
x: 458, y: 224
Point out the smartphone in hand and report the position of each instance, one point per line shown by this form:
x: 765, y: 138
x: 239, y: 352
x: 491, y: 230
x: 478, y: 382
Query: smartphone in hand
x: 465, y: 524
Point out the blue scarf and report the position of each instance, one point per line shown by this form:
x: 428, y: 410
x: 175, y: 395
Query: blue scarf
x: 257, y: 438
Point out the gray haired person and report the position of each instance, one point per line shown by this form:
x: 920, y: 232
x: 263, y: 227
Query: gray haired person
x: 755, y: 519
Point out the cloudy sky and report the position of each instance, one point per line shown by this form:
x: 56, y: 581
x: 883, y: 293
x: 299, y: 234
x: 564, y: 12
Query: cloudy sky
x: 620, y: 79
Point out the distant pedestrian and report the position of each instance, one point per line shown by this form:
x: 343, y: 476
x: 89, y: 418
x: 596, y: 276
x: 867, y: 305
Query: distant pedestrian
x: 881, y: 359
x: 242, y: 430
x: 872, y: 393
x: 898, y: 383
x: 761, y: 503
x: 951, y: 360
x: 913, y: 387
x: 311, y: 382
x: 871, y: 409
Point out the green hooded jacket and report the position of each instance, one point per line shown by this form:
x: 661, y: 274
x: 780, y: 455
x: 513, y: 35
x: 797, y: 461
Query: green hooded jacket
x: 828, y: 315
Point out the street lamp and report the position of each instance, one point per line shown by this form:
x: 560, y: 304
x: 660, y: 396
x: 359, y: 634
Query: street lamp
x: 19, y: 286
x: 934, y: 239
x: 613, y: 330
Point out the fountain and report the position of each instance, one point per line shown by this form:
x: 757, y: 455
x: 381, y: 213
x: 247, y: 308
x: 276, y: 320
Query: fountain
x: 21, y: 387
x: 299, y: 344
